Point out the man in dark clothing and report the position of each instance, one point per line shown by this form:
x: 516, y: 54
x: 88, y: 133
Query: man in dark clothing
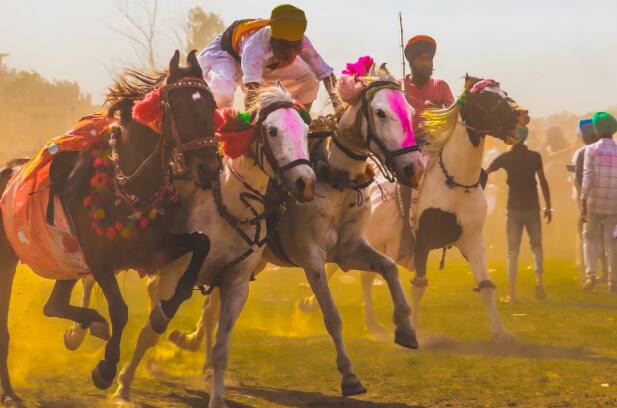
x: 522, y: 165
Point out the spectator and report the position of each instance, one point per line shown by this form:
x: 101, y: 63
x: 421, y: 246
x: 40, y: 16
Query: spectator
x: 522, y: 165
x: 599, y: 200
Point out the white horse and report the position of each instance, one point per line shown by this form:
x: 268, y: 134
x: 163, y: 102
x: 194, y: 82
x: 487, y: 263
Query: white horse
x: 452, y: 207
x: 330, y: 228
x: 231, y: 214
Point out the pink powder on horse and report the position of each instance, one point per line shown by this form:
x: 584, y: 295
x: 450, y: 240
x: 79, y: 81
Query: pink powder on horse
x: 290, y: 119
x: 398, y: 105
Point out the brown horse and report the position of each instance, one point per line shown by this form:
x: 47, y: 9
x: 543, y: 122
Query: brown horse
x: 141, y: 161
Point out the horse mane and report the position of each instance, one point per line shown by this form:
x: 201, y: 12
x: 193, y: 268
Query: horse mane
x: 268, y: 95
x: 129, y: 87
x: 438, y: 126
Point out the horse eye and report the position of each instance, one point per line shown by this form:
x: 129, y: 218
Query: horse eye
x: 272, y: 132
x: 381, y: 113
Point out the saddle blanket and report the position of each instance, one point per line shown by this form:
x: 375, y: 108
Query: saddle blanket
x: 51, y: 251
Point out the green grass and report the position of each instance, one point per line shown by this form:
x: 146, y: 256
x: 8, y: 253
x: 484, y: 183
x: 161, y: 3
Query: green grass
x: 280, y: 357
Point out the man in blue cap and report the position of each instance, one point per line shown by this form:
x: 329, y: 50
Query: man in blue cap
x: 599, y: 200
x: 522, y: 165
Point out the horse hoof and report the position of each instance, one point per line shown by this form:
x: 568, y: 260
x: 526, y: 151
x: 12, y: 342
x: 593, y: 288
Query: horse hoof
x: 100, y: 330
x: 103, y: 377
x: 183, y: 340
x: 406, y: 339
x: 217, y: 403
x: 158, y: 319
x: 124, y: 402
x: 352, y: 386
x: 11, y: 401
x: 74, y: 337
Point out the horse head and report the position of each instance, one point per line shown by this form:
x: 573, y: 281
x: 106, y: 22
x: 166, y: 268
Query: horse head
x: 487, y: 109
x: 189, y: 121
x: 387, y: 127
x: 281, y: 142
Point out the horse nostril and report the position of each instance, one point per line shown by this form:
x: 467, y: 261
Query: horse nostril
x: 409, y: 171
x: 300, y: 185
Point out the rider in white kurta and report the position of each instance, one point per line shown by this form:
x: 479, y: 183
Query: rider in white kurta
x: 255, y: 51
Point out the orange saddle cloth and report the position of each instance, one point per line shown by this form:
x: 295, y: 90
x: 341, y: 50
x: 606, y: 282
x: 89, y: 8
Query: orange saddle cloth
x: 51, y: 251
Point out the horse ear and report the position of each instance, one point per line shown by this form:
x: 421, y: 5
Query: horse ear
x: 470, y: 81
x: 193, y: 64
x: 191, y: 59
x: 372, y: 72
x: 174, y: 64
x: 384, y: 72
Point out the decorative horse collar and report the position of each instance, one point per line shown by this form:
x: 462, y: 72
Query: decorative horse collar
x: 451, y: 183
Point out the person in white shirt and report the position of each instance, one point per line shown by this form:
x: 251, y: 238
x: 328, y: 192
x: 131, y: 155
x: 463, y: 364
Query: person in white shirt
x: 588, y: 136
x: 599, y: 200
x: 256, y: 51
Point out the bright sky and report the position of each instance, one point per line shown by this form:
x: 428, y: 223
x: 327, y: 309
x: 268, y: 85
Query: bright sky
x: 550, y: 55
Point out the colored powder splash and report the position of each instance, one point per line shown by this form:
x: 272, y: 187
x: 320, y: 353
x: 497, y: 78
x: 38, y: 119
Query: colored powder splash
x: 296, y: 130
x: 398, y: 105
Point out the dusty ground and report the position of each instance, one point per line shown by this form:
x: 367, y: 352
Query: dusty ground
x: 567, y: 356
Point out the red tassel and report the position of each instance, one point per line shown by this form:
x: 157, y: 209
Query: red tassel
x: 235, y: 144
x: 219, y: 120
x: 148, y: 110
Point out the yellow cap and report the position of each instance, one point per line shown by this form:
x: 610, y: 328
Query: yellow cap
x: 287, y: 23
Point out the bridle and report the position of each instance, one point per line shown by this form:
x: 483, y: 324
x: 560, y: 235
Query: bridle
x: 470, y: 104
x: 367, y: 95
x: 263, y: 153
x: 178, y: 147
x: 178, y: 162
x: 263, y: 147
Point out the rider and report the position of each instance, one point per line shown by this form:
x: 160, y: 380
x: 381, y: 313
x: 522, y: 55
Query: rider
x: 421, y: 88
x: 254, y: 51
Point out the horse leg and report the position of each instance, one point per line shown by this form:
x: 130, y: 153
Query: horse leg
x: 105, y: 371
x: 419, y: 282
x: 234, y: 293
x: 472, y: 249
x: 372, y: 325
x: 309, y: 304
x: 75, y: 335
x: 191, y: 340
x: 8, y: 261
x: 212, y: 314
x: 365, y: 257
x: 315, y: 274
x: 159, y: 286
x: 162, y: 313
x: 167, y: 292
x: 59, y: 306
